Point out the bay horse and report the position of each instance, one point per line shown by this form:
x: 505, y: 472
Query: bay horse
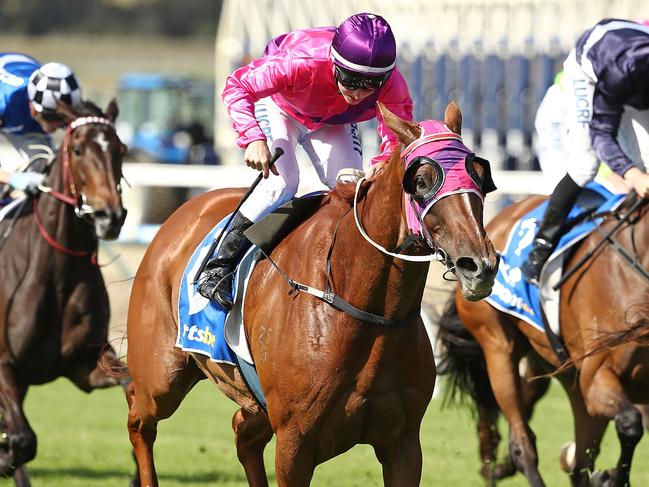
x: 602, y: 385
x: 53, y: 302
x: 331, y: 381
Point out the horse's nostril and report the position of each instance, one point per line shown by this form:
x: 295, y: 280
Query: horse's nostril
x: 467, y: 265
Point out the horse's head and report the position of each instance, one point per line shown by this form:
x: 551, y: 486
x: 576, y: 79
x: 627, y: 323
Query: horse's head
x: 445, y: 185
x: 92, y: 166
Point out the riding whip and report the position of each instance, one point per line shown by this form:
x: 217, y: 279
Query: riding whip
x: 278, y: 153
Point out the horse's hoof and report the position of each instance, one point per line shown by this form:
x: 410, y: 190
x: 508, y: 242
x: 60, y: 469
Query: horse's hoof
x: 504, y: 470
x: 602, y: 478
x: 567, y: 457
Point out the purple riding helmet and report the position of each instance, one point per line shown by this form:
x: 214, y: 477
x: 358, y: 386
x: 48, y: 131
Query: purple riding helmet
x: 363, y: 51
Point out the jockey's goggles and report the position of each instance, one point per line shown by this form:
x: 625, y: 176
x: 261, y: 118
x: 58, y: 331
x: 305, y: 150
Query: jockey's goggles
x: 354, y: 81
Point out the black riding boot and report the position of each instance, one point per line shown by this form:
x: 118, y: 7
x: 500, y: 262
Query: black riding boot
x: 559, y: 205
x: 216, y: 280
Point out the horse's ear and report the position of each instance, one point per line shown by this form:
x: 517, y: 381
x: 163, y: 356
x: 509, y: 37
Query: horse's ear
x: 405, y: 131
x: 453, y: 117
x: 112, y: 110
x: 66, y: 111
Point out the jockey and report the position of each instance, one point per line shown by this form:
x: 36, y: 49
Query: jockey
x: 607, y: 70
x: 29, y: 97
x: 310, y: 88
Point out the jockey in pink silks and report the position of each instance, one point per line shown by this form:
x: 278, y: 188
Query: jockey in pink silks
x: 310, y: 88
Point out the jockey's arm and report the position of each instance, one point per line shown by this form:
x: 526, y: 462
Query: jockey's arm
x: 4, y: 177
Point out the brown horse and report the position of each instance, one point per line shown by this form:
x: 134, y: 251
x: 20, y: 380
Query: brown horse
x: 331, y: 380
x: 54, y: 304
x: 605, y: 384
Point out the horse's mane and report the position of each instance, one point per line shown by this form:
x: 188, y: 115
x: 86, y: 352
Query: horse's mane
x: 88, y: 109
x: 346, y: 191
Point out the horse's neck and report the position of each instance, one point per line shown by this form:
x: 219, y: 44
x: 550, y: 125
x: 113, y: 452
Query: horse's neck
x: 398, y: 282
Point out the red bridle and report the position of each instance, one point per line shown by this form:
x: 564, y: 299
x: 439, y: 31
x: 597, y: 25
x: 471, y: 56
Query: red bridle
x: 71, y: 196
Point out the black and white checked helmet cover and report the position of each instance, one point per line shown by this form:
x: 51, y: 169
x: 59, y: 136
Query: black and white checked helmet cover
x: 52, y: 83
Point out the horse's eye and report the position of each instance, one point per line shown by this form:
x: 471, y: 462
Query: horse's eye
x: 420, y: 183
x: 76, y: 148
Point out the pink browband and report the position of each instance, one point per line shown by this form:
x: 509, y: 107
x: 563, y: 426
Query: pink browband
x: 428, y: 139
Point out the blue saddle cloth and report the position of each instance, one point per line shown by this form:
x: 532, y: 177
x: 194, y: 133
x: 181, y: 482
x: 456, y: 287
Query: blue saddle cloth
x: 511, y: 293
x: 201, y: 322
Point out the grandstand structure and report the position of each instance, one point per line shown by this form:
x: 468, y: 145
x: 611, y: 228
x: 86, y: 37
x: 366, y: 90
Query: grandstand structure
x: 496, y: 58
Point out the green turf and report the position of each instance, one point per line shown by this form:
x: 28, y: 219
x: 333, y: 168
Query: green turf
x: 83, y: 442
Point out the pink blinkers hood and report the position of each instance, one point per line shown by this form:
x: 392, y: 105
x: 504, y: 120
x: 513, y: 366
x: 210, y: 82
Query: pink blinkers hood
x: 446, y: 148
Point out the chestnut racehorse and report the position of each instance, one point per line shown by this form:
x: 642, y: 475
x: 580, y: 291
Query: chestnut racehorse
x: 599, y: 303
x: 331, y: 381
x: 53, y: 302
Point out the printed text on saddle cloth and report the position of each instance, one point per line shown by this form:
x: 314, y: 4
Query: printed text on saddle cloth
x: 448, y: 155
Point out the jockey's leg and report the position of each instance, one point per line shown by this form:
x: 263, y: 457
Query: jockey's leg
x: 549, y: 232
x: 283, y: 132
x: 582, y: 166
x: 332, y: 148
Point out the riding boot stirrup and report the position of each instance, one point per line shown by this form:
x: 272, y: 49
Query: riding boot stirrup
x: 538, y: 256
x: 218, y: 277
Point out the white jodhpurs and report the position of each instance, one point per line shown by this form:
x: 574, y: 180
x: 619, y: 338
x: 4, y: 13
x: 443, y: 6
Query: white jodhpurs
x: 329, y: 148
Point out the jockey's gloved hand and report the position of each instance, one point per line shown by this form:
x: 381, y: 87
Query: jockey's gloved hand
x: 26, y: 181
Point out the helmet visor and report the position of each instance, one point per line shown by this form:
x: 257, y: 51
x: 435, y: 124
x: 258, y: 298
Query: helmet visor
x: 355, y: 81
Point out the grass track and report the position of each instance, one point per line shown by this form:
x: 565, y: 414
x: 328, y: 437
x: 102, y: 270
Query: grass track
x: 83, y: 442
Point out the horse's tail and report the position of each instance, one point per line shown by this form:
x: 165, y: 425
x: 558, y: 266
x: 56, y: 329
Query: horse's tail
x: 463, y: 362
x: 111, y: 365
x: 637, y: 332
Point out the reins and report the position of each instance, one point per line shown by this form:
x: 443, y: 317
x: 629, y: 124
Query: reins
x: 607, y: 237
x: 437, y: 255
x: 329, y: 296
x: 333, y: 299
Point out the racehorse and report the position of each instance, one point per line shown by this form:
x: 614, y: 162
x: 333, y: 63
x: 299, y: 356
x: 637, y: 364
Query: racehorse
x: 606, y: 380
x: 54, y: 304
x: 331, y: 380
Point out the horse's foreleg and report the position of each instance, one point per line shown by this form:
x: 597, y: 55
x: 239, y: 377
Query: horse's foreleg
x: 589, y: 431
x: 252, y: 432
x: 506, y: 384
x: 21, y: 479
x: 19, y: 445
x: 401, y: 461
x: 488, y: 441
x: 606, y: 397
x: 142, y: 436
x: 294, y: 459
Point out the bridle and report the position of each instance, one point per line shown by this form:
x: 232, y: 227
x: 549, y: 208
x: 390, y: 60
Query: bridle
x: 70, y: 196
x: 412, y: 157
x: 437, y: 253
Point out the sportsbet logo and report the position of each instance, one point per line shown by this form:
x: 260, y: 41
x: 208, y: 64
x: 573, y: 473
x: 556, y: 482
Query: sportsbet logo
x: 202, y: 336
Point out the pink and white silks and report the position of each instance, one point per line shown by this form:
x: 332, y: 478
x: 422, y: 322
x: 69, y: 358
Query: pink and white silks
x: 297, y: 73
